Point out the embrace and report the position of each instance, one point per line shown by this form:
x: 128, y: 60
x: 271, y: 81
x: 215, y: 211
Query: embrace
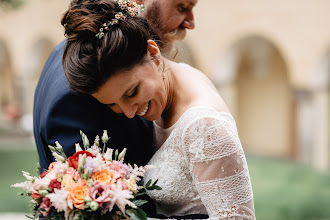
x: 114, y: 72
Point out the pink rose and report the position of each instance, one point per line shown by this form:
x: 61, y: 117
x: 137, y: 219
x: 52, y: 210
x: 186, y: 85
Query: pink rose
x: 119, y: 167
x: 101, y: 194
x: 45, y: 206
x: 73, y: 173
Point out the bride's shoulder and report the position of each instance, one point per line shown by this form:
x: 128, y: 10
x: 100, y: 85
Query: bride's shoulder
x: 198, y: 90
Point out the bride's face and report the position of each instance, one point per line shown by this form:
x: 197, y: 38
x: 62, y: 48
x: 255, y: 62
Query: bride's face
x: 138, y: 91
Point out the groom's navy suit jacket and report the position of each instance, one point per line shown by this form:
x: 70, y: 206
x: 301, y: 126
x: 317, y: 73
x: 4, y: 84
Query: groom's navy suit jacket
x: 58, y: 115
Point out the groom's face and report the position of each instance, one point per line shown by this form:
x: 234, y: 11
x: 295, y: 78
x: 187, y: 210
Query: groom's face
x: 171, y: 17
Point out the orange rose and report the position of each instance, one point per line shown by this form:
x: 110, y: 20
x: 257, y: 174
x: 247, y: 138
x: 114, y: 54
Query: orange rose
x: 67, y: 181
x: 105, y: 176
x: 131, y: 184
x: 77, y: 193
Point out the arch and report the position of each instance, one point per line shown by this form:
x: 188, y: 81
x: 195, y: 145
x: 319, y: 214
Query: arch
x: 36, y: 58
x: 321, y: 113
x: 253, y: 79
x: 8, y: 107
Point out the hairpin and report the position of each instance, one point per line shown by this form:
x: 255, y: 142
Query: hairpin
x: 128, y: 9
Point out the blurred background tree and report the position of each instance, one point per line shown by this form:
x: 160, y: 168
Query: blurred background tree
x: 11, y: 3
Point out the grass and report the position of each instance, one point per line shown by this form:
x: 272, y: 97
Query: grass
x: 12, y: 164
x: 282, y: 190
x: 286, y: 190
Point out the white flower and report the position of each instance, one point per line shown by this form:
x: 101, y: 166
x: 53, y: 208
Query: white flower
x: 105, y: 137
x: 42, y: 183
x: 122, y: 154
x: 59, y: 199
x: 58, y: 157
x: 98, y: 163
x: 27, y: 185
x: 60, y: 168
x: 78, y: 148
x: 121, y: 198
x: 28, y: 176
x: 138, y: 172
x: 58, y: 146
x: 94, y: 149
x: 108, y: 154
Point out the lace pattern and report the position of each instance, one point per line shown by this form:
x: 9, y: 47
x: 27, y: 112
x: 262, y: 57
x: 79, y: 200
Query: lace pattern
x: 202, y: 168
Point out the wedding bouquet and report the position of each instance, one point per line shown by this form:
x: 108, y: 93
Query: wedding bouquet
x: 91, y: 184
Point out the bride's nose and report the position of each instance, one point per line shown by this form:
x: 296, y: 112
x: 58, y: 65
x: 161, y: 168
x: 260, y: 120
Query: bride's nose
x: 129, y: 109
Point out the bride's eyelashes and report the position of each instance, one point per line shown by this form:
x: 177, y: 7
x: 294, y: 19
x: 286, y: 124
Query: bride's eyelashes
x: 133, y: 93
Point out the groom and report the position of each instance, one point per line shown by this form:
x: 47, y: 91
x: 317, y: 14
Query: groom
x: 58, y: 114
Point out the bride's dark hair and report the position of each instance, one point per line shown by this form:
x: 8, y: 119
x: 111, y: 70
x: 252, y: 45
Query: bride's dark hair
x: 89, y: 61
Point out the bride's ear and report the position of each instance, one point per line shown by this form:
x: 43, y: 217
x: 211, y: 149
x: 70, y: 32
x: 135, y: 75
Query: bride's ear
x: 153, y: 49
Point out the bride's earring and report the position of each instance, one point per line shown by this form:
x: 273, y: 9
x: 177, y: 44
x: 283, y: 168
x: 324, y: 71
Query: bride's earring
x: 160, y: 68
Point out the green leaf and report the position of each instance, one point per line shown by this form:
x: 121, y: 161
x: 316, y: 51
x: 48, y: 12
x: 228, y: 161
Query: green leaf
x: 148, y: 183
x: 136, y: 214
x: 157, y: 187
x: 155, y: 182
x: 154, y: 187
x: 140, y: 194
x: 140, y: 202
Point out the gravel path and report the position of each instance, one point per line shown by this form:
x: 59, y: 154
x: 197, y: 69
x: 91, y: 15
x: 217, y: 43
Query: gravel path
x: 13, y: 216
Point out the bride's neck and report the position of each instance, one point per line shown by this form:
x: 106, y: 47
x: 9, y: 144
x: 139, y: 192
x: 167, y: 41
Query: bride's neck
x: 169, y: 82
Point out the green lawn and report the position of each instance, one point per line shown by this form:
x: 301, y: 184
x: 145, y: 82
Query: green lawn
x: 289, y: 191
x: 282, y: 190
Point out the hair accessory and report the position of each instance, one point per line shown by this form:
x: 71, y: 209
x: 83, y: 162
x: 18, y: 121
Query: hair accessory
x: 128, y: 9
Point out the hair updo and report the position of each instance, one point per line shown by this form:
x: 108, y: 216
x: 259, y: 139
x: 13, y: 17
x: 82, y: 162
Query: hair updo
x: 89, y: 61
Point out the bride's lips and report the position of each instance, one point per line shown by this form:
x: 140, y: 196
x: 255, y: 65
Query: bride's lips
x: 145, y: 110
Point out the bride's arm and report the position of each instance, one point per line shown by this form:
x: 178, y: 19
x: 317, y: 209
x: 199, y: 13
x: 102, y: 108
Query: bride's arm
x: 219, y: 168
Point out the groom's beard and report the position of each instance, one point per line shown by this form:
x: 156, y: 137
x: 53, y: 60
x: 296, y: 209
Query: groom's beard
x: 152, y: 15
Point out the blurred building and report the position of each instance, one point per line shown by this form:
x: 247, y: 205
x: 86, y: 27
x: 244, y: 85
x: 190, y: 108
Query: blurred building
x: 270, y: 61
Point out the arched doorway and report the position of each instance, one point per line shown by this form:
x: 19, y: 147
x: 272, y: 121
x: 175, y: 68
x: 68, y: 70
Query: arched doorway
x: 253, y: 79
x: 8, y: 105
x: 36, y: 59
x: 35, y: 62
x: 321, y: 113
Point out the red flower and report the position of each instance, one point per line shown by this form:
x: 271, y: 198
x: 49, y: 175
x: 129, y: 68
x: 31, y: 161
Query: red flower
x: 35, y: 195
x: 73, y: 161
x: 43, y: 174
x: 54, y: 184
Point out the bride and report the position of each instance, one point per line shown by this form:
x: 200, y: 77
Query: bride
x: 111, y: 54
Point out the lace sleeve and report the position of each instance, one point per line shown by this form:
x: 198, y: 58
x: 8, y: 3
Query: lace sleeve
x: 219, y: 168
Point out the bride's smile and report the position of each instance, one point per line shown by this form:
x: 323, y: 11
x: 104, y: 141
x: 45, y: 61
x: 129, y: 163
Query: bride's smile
x: 144, y: 111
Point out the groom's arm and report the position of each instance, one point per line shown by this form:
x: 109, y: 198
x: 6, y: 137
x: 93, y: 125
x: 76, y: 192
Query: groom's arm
x: 71, y: 113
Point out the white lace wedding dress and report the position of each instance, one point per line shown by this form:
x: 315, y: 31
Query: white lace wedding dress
x: 201, y: 167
